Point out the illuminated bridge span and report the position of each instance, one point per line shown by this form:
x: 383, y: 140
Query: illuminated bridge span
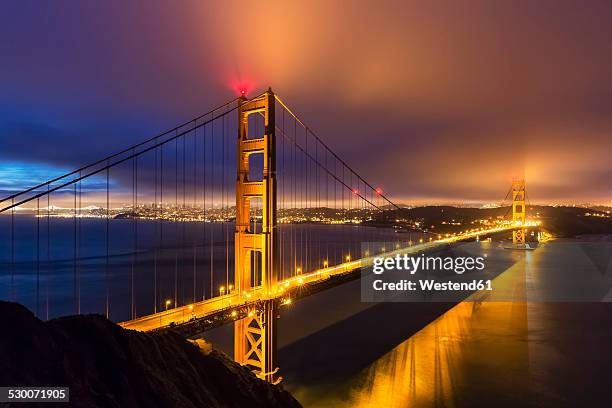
x: 224, y: 218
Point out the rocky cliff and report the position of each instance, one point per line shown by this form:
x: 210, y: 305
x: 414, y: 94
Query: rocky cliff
x: 107, y: 366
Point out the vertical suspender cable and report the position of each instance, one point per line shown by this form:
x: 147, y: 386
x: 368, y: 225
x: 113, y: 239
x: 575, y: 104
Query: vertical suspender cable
x: 155, y: 245
x: 13, y: 293
x: 38, y: 257
x: 49, y: 268
x: 74, y: 257
x: 194, y: 209
x: 176, y: 219
x: 107, y: 239
x: 212, y: 205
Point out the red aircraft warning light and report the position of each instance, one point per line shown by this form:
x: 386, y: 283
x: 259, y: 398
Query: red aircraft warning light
x: 356, y: 192
x: 379, y: 191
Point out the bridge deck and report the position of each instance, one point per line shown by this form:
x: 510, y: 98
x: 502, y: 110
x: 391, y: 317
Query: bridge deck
x: 230, y: 301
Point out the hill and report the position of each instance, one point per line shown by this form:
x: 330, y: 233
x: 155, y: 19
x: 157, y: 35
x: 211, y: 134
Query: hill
x: 107, y: 366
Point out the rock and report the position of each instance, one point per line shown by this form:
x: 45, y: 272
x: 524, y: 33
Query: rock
x: 107, y: 366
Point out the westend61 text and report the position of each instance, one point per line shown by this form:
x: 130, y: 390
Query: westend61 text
x: 432, y: 285
x: 414, y: 263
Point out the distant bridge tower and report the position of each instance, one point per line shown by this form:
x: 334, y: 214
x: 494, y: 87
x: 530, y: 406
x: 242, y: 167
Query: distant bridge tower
x: 255, y: 335
x: 518, y: 210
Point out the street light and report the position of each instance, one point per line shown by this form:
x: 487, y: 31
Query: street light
x: 222, y: 290
x: 168, y: 303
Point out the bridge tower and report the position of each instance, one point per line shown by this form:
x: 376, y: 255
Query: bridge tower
x: 518, y: 210
x: 255, y: 335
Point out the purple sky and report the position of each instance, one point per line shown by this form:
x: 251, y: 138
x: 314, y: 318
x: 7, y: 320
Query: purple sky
x: 432, y: 100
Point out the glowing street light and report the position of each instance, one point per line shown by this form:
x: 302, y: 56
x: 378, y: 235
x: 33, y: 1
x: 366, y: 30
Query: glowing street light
x: 222, y: 290
x: 325, y: 263
x: 168, y: 302
x: 348, y: 257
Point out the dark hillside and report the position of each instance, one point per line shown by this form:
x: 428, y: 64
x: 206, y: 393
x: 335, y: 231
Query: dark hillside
x: 107, y: 366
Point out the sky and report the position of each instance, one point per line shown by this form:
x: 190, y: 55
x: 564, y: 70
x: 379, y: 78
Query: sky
x: 434, y: 101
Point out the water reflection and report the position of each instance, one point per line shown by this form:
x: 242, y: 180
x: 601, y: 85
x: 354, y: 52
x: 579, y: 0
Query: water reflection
x: 457, y: 360
x: 498, y: 352
x: 453, y: 361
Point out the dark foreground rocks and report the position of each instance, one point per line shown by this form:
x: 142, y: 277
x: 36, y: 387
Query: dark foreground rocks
x: 107, y: 366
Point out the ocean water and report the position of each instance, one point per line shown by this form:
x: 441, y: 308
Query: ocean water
x: 546, y: 350
x: 62, y: 266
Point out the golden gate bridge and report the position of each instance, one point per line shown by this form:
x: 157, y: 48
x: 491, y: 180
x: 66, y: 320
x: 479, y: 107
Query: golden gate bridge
x: 224, y: 218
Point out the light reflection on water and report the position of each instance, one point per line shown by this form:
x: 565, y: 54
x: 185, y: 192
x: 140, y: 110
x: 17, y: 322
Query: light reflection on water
x: 440, y: 365
x: 526, y: 352
x: 456, y: 360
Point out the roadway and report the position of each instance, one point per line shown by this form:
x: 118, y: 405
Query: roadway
x: 233, y: 300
